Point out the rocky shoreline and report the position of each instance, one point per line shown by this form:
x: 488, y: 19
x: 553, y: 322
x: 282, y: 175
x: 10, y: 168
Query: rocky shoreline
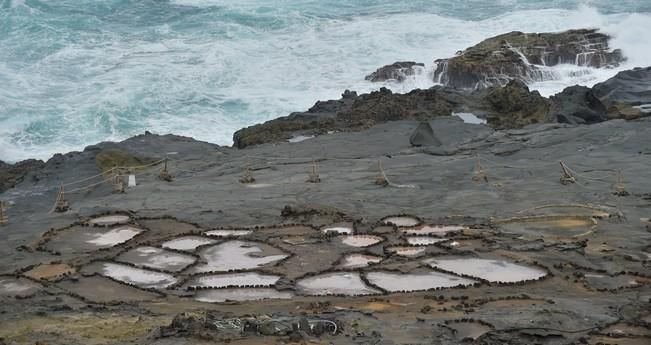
x: 379, y: 191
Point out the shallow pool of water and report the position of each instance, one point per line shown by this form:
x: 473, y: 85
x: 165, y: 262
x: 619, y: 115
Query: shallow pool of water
x: 346, y: 229
x: 137, y: 276
x: 359, y: 260
x: 491, y: 270
x: 187, y: 243
x: 237, y: 255
x: 112, y: 237
x: 432, y: 229
x: 361, y: 240
x: 394, y: 282
x: 157, y: 258
x: 228, y: 233
x: 234, y: 279
x: 345, y: 283
x: 109, y: 220
x: 423, y: 240
x: 17, y: 286
x: 407, y: 251
x: 471, y: 330
x: 240, y: 294
x: 401, y: 221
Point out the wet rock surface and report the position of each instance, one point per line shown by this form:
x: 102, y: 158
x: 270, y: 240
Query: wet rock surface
x: 509, y: 106
x: 588, y: 247
x: 517, y: 56
x: 397, y: 71
x: 626, y: 95
x: 578, y: 105
x: 12, y: 174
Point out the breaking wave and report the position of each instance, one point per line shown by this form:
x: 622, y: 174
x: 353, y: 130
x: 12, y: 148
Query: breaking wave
x: 76, y: 72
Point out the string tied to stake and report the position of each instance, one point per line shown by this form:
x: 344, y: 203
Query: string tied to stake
x: 313, y: 177
x: 620, y: 189
x: 567, y: 177
x: 164, y: 175
x: 3, y: 217
x: 478, y: 173
x: 118, y: 184
x: 247, y: 176
x: 61, y: 205
x: 381, y: 179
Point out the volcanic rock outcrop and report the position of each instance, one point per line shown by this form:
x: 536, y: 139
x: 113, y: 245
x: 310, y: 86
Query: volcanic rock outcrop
x: 10, y: 175
x: 398, y: 71
x: 518, y: 55
x: 512, y: 106
x: 626, y: 95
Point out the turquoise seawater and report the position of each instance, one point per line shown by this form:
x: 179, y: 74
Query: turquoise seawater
x: 76, y: 72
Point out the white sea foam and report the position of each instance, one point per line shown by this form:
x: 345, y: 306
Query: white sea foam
x: 219, y: 74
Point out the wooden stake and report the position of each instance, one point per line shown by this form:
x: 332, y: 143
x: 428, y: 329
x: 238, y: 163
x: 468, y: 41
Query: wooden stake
x: 478, y: 173
x: 567, y: 177
x: 3, y: 218
x: 118, y: 184
x: 61, y: 204
x: 164, y: 175
x: 313, y: 177
x: 620, y: 190
x: 247, y: 177
x: 381, y: 179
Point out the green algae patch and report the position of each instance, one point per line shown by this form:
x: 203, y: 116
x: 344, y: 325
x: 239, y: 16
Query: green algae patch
x: 111, y: 158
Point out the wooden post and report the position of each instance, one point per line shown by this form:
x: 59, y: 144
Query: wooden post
x: 118, y: 184
x: 313, y: 176
x: 61, y: 204
x: 620, y: 190
x: 164, y: 175
x: 3, y: 218
x: 381, y: 179
x: 567, y: 177
x: 247, y: 177
x: 478, y: 173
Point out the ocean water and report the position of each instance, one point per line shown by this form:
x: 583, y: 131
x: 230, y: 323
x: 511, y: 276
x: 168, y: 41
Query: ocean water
x: 77, y: 72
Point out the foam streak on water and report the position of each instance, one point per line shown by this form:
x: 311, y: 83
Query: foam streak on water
x: 76, y: 72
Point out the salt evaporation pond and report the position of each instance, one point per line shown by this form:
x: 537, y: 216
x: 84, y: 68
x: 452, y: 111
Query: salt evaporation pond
x: 407, y: 251
x: 187, y: 243
x: 16, y: 286
x: 423, y: 240
x: 433, y: 229
x: 491, y: 270
x: 334, y: 284
x: 401, y: 221
x: 471, y: 330
x: 238, y: 255
x: 235, y: 279
x: 359, y: 260
x: 237, y: 294
x: 346, y: 229
x: 112, y: 237
x: 109, y: 220
x: 395, y: 282
x: 361, y: 240
x: 228, y: 233
x: 136, y: 276
x: 157, y: 258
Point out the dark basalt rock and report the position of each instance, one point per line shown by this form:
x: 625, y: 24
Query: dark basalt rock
x: 514, y: 106
x: 577, y: 105
x: 423, y: 135
x: 625, y: 94
x: 397, y: 71
x: 497, y: 60
x: 12, y: 174
x: 353, y: 112
x: 510, y: 106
